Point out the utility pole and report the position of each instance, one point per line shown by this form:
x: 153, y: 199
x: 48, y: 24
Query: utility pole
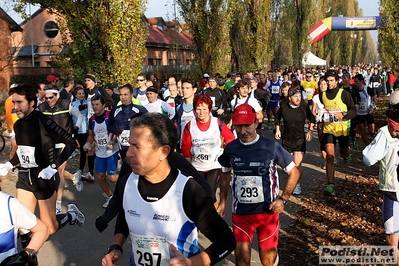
x: 31, y: 36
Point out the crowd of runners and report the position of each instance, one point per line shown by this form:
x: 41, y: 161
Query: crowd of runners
x: 168, y: 147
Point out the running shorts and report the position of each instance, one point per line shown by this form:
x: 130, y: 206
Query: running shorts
x: 361, y: 119
x: 274, y: 104
x: 343, y: 141
x: 390, y: 215
x: 107, y: 165
x: 42, y: 189
x: 291, y: 146
x: 265, y: 224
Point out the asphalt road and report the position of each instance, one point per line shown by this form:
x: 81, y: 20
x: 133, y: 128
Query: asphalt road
x: 85, y: 246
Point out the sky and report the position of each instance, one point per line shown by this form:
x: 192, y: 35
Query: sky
x: 165, y: 9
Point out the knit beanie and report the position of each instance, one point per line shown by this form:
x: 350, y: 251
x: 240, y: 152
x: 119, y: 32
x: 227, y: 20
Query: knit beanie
x: 91, y: 76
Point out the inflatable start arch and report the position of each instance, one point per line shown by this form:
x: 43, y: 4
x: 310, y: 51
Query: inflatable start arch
x: 343, y: 24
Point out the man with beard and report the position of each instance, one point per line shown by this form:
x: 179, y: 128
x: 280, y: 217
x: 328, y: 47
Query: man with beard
x: 36, y: 136
x: 294, y: 113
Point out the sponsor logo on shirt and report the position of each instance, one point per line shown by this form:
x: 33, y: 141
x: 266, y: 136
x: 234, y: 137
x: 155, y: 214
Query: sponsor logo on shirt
x: 237, y: 159
x: 133, y: 213
x: 164, y: 217
x: 256, y: 164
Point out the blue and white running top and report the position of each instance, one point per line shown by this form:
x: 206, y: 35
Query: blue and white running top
x: 255, y: 181
x: 153, y: 226
x: 13, y: 216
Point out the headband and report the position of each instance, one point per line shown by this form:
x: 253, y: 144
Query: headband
x: 294, y: 92
x: 393, y: 124
x: 52, y: 90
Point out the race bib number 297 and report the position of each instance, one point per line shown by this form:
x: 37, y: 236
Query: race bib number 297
x: 150, y: 251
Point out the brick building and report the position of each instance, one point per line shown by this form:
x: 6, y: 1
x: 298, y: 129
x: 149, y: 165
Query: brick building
x: 7, y: 27
x: 168, y: 44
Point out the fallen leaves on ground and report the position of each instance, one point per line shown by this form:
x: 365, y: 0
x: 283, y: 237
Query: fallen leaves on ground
x: 352, y: 218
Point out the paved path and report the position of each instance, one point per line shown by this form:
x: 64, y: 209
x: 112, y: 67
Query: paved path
x: 85, y: 246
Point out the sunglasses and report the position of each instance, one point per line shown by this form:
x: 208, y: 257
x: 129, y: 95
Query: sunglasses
x: 140, y: 80
x: 308, y: 76
x: 49, y: 98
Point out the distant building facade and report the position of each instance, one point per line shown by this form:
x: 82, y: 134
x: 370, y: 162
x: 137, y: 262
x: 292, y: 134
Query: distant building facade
x: 7, y: 27
x: 168, y: 44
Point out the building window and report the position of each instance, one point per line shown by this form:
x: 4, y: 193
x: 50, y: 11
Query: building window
x: 171, y: 62
x: 150, y: 61
x: 158, y: 62
x: 51, y: 29
x: 36, y: 64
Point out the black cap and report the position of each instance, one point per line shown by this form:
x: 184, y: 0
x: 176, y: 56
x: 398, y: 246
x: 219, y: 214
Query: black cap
x: 111, y: 86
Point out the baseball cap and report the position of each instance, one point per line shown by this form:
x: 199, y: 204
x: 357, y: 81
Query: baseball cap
x: 244, y: 115
x: 111, y: 86
x: 51, y: 78
x: 152, y: 89
x: 206, y: 75
x: 346, y: 75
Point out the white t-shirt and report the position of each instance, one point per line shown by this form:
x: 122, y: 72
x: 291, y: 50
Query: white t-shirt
x: 251, y: 101
x: 161, y: 107
x: 13, y: 216
x: 319, y: 106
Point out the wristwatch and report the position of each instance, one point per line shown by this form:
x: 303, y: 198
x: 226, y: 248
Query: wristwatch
x: 53, y: 166
x: 32, y: 255
x: 284, y: 200
x: 115, y: 247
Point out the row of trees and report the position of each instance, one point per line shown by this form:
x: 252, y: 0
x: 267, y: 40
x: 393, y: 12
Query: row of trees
x: 254, y: 34
x: 388, y: 37
x: 108, y: 37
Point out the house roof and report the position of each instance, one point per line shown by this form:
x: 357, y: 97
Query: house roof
x: 156, y: 36
x: 13, y: 26
x: 167, y: 37
x: 37, y: 12
x: 155, y: 20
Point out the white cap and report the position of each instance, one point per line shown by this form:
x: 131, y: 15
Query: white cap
x: 394, y: 97
x: 206, y: 75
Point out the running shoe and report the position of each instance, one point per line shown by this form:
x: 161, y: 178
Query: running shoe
x: 276, y: 261
x: 77, y: 180
x: 74, y: 153
x: 324, y: 167
x: 80, y: 217
x: 58, y: 208
x: 88, y: 177
x: 329, y: 190
x: 105, y: 205
x: 297, y: 190
x: 347, y: 159
x: 355, y: 144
